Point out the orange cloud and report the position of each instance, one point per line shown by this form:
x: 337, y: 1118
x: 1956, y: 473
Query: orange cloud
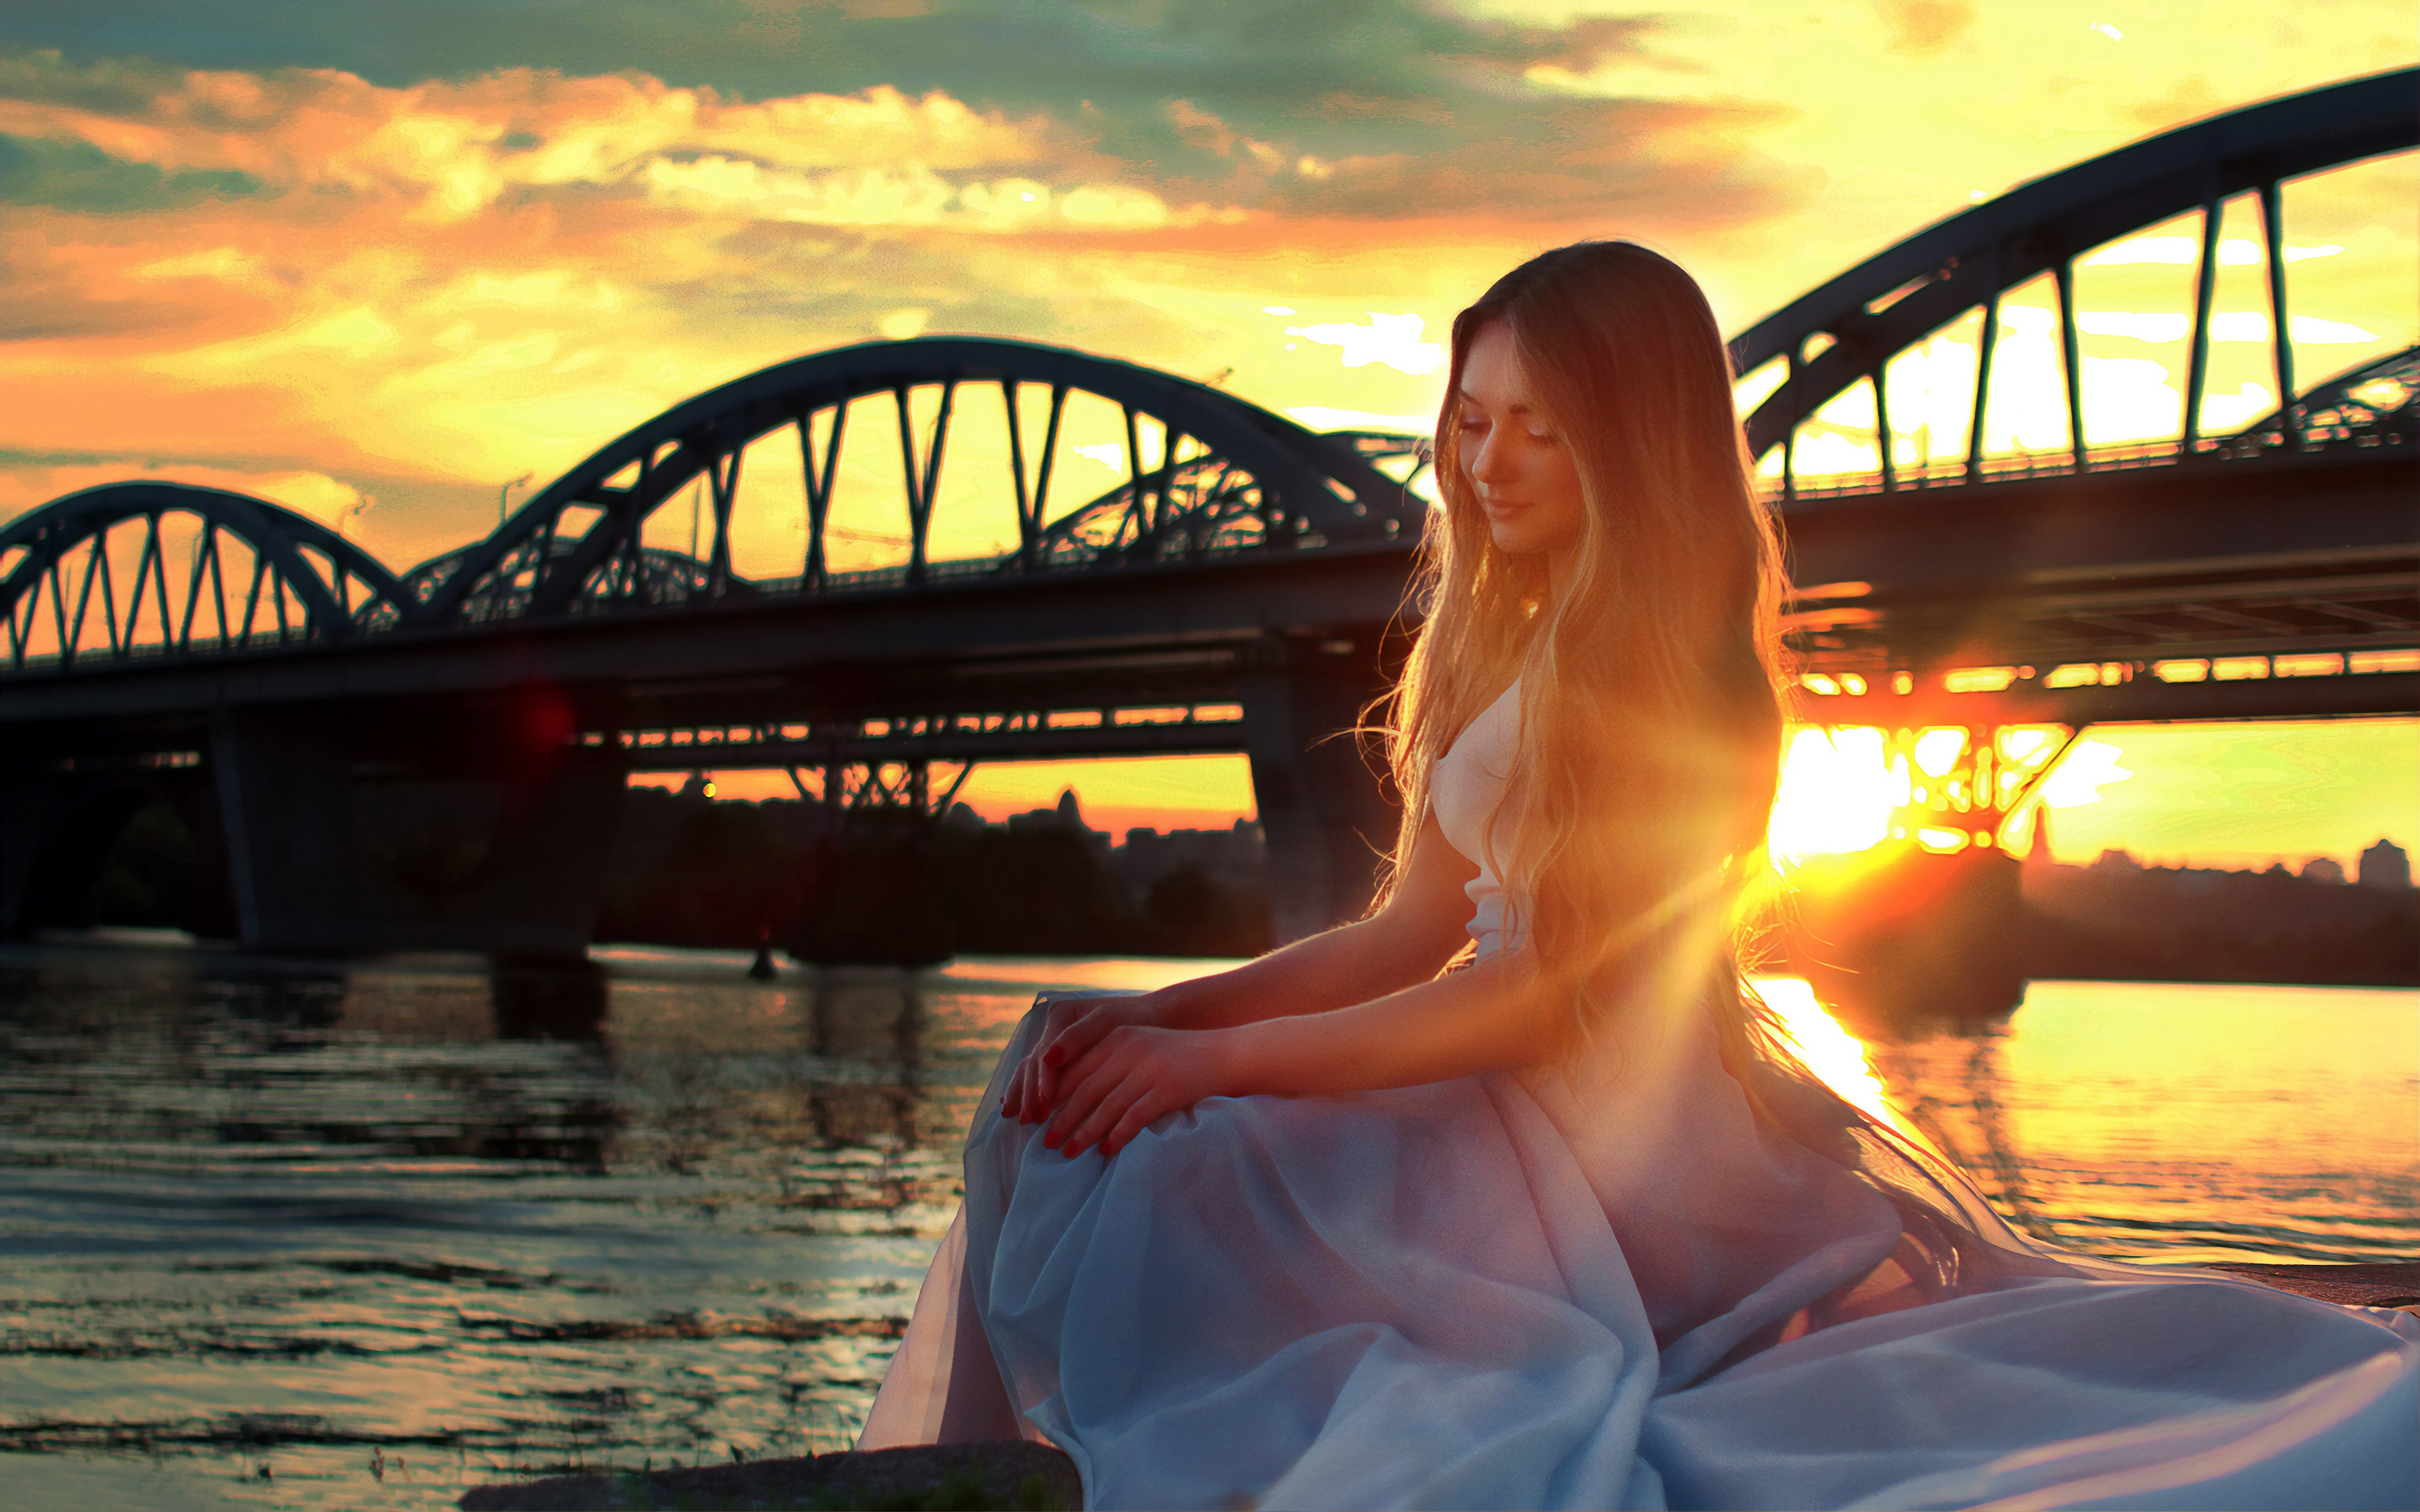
x: 329, y: 500
x: 454, y: 148
x: 1920, y: 28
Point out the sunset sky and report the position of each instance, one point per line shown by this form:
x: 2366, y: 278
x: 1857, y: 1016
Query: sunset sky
x: 375, y: 262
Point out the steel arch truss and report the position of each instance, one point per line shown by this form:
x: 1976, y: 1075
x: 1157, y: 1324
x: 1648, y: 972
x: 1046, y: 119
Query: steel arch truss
x: 2377, y: 404
x: 1846, y: 331
x: 148, y: 569
x: 902, y: 789
x: 1229, y: 477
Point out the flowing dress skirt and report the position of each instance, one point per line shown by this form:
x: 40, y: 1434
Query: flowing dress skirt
x: 1498, y: 1293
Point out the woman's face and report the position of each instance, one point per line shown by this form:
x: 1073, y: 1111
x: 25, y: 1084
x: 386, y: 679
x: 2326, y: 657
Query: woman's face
x: 1520, y: 470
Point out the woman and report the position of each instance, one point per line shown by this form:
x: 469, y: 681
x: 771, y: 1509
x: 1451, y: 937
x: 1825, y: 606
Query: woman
x: 1560, y: 1226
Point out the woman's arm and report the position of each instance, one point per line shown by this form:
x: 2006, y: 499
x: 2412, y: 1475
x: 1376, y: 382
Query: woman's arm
x: 1406, y: 942
x: 1496, y: 1014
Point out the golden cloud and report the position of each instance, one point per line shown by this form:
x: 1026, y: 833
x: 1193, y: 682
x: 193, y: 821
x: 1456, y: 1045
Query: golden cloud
x: 454, y: 147
x: 330, y: 500
x: 462, y: 280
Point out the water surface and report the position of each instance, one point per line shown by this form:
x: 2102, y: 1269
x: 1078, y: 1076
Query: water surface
x: 389, y: 1229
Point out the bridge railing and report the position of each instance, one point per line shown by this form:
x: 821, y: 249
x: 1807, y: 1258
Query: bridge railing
x: 996, y: 734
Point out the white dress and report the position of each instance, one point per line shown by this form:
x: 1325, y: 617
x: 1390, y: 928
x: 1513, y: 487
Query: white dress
x: 1620, y: 1286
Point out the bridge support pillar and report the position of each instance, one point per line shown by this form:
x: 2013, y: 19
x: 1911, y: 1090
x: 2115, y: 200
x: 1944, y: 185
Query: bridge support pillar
x: 25, y: 801
x: 61, y: 822
x: 1323, y: 811
x: 456, y: 836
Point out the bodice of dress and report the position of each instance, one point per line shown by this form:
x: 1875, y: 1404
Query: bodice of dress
x: 1465, y: 789
x: 1711, y: 1202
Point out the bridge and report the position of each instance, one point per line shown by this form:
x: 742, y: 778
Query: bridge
x: 791, y: 571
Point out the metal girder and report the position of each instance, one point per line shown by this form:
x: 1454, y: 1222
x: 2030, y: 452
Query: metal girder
x: 45, y: 542
x: 1031, y: 628
x: 944, y: 742
x: 2141, y: 698
x: 1900, y: 296
x: 1900, y: 581
x: 1233, y: 477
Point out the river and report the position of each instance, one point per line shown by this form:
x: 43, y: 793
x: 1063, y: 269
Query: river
x: 316, y: 1235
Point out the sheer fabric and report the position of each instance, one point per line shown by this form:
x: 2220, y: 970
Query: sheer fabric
x: 1464, y: 793
x: 1625, y: 1284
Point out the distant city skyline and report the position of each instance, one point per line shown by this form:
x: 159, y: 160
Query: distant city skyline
x: 2273, y: 791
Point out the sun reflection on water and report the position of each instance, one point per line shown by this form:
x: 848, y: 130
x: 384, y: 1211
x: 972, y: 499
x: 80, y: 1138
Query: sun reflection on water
x: 1831, y: 1051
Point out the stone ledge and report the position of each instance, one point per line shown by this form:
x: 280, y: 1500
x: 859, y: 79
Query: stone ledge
x: 1008, y: 1473
x: 1016, y: 1474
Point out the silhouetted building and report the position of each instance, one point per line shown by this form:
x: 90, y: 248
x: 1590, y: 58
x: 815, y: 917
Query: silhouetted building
x: 2324, y: 869
x: 1235, y: 858
x: 1066, y: 817
x: 2385, y: 865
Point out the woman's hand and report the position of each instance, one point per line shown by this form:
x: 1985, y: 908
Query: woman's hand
x: 1132, y: 1075
x: 1071, y: 1026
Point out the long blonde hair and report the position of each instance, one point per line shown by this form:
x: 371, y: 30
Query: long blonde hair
x: 1651, y: 688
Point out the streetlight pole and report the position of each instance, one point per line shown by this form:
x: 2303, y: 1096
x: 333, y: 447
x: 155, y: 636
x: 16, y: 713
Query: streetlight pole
x: 504, y: 493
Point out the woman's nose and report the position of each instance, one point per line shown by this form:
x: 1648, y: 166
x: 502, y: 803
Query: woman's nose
x: 1494, y: 462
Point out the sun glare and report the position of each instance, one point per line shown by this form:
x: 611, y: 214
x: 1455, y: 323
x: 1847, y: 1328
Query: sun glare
x: 1937, y: 751
x: 1850, y: 789
x: 2091, y: 767
x: 1836, y: 794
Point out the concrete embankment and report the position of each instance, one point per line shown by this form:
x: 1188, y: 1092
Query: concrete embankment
x: 1028, y: 1475
x: 1008, y: 1475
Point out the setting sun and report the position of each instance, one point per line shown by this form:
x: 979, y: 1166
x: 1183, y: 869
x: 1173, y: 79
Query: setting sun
x: 1846, y: 789
x: 1836, y: 794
